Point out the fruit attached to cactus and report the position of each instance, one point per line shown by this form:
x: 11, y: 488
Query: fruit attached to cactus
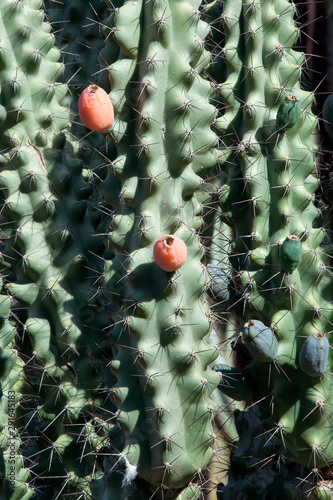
x: 96, y: 109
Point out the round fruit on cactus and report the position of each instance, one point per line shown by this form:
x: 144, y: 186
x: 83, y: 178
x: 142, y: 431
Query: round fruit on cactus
x: 314, y: 354
x: 96, y: 109
x: 220, y: 282
x: 289, y: 112
x: 170, y: 252
x: 291, y: 253
x: 260, y: 341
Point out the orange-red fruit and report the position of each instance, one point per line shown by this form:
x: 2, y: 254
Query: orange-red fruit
x: 170, y: 252
x: 96, y: 109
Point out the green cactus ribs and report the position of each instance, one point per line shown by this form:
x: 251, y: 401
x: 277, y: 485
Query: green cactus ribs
x: 165, y: 145
x: 53, y: 355
x: 278, y: 264
x: 166, y: 277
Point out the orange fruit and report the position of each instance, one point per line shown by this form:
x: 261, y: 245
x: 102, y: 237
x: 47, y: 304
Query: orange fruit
x: 170, y: 252
x: 96, y: 109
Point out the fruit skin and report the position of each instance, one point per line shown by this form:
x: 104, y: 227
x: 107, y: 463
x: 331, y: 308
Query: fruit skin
x: 291, y: 253
x: 96, y: 109
x: 170, y: 252
x: 289, y: 112
x: 260, y: 341
x: 314, y: 354
x: 165, y: 142
x: 234, y: 383
x: 220, y: 283
x: 46, y: 206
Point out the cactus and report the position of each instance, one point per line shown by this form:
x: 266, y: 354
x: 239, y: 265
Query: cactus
x: 279, y: 264
x: 164, y: 141
x: 123, y: 377
x: 55, y: 385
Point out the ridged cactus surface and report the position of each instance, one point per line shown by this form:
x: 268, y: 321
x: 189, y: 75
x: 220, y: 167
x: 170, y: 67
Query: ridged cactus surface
x: 161, y: 322
x: 277, y: 257
x: 55, y: 383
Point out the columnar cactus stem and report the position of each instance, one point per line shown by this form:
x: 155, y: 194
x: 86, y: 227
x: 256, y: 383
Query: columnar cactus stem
x: 280, y: 270
x: 106, y: 348
x: 52, y: 353
x: 161, y: 322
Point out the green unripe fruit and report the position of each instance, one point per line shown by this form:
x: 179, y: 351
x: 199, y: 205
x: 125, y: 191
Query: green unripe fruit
x: 291, y: 253
x: 289, y: 112
x: 314, y: 354
x: 260, y: 341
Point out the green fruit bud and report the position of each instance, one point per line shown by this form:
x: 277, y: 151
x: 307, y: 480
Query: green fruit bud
x: 314, y: 354
x: 260, y: 341
x: 328, y: 115
x: 289, y: 112
x: 291, y: 253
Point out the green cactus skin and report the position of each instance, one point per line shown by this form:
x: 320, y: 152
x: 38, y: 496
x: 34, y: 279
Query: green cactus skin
x: 220, y: 283
x: 161, y: 324
x: 216, y: 147
x: 272, y: 196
